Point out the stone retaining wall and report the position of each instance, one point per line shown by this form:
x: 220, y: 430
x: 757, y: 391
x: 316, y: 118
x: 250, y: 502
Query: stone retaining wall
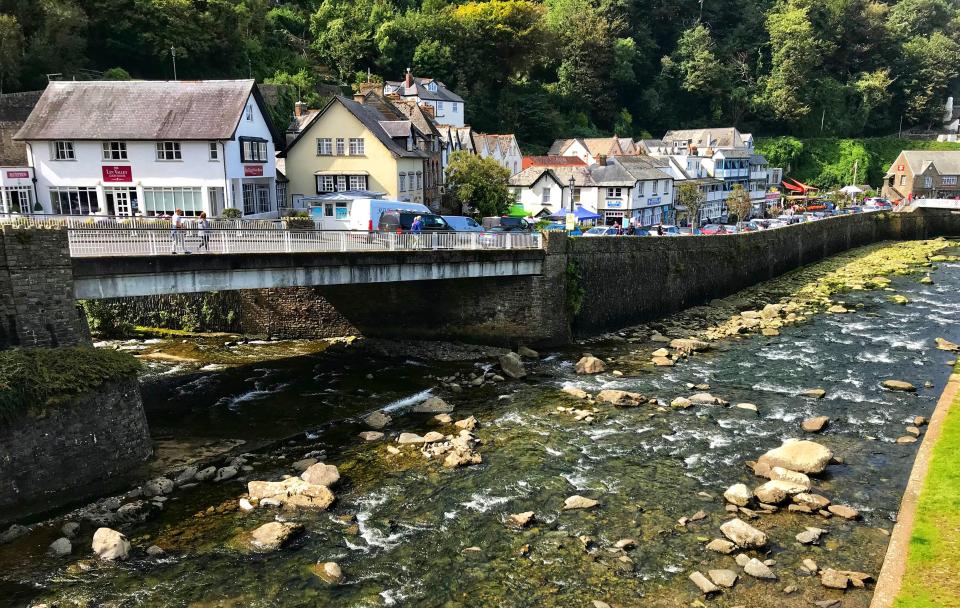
x: 73, y: 451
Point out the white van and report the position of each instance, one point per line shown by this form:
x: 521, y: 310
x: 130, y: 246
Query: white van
x: 462, y: 223
x: 358, y: 214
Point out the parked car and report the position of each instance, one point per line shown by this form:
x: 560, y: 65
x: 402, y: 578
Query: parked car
x: 688, y: 231
x: 507, y: 224
x: 601, y: 231
x: 393, y: 220
x: 731, y: 229
x: 360, y: 213
x: 462, y: 223
x: 713, y: 229
x: 558, y: 227
x: 668, y: 230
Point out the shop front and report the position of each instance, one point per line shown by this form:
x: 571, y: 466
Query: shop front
x: 17, y: 191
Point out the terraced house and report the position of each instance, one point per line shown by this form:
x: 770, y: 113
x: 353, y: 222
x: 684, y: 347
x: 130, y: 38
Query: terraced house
x: 150, y: 147
x: 923, y: 174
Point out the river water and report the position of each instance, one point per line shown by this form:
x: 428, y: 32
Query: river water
x: 408, y: 532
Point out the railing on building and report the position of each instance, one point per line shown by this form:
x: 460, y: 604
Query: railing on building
x: 141, y: 241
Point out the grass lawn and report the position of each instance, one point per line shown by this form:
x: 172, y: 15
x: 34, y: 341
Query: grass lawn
x: 932, y: 578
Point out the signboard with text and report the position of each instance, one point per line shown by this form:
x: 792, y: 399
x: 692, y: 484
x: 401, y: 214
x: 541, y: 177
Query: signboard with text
x: 653, y: 200
x: 18, y: 174
x: 253, y: 170
x: 614, y: 204
x: 117, y: 173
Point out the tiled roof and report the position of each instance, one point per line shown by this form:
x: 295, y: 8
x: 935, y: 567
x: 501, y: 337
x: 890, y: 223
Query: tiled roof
x: 723, y: 137
x: 582, y: 176
x: 644, y: 167
x: 419, y: 89
x: 139, y: 110
x: 552, y: 161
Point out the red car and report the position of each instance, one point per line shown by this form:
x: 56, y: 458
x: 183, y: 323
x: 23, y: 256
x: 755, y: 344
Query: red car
x: 714, y: 229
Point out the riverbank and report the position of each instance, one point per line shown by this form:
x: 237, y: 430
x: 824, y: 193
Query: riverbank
x: 922, y: 566
x: 407, y: 530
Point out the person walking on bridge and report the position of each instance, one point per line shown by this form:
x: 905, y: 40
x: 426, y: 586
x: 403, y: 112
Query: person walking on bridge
x: 203, y: 227
x: 177, y: 230
x: 416, y: 228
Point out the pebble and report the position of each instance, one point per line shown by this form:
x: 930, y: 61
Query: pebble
x: 703, y: 583
x: 723, y: 578
x: 844, y: 511
x: 758, y: 569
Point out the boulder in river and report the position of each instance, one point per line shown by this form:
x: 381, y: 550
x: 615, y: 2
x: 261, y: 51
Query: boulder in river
x: 378, y: 420
x: 406, y: 438
x: 681, y: 403
x: 621, y: 398
x: 898, y: 385
x: 815, y: 424
x: 371, y: 435
x: 579, y: 502
x: 521, y: 520
x: 590, y: 365
x: 706, y: 399
x: 60, y: 547
x: 432, y: 405
x: 844, y: 511
x: 575, y: 392
x: 329, y: 572
x: 689, y: 345
x: 737, y: 494
x: 292, y: 492
x: 798, y: 455
x: 723, y: 577
x: 814, y: 393
x: 512, y: 365
x: 110, y: 545
x: 947, y: 345
x: 274, y: 535
x: 321, y: 474
x: 793, y: 477
x: 703, y: 583
x: 776, y: 491
x: 833, y: 579
x: 527, y: 353
x: 811, y: 501
x: 810, y: 535
x: 721, y: 545
x: 743, y: 534
x: 158, y: 487
x: 225, y: 473
x: 758, y: 569
x: 468, y: 424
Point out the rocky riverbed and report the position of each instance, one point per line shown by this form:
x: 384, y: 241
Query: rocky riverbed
x: 648, y: 467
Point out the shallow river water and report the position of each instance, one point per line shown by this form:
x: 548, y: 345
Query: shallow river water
x: 401, y: 525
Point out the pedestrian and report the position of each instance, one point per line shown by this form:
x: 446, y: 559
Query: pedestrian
x: 631, y: 230
x: 204, y: 229
x: 416, y: 228
x: 177, y: 229
x: 659, y: 229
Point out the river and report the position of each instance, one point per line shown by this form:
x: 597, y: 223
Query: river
x: 408, y: 532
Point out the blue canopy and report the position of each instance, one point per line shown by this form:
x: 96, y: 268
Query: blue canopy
x: 580, y: 213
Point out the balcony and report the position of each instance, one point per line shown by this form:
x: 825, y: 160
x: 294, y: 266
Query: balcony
x: 760, y: 174
x: 730, y: 173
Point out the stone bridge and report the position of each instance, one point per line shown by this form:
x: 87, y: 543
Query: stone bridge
x: 544, y: 296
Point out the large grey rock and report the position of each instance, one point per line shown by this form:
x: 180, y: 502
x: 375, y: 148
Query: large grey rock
x: 321, y: 474
x: 579, y: 502
x: 12, y: 533
x: 775, y: 491
x: 815, y: 424
x: 793, y: 477
x: 205, y: 474
x: 274, y: 535
x: 406, y: 438
x: 810, y: 535
x: 706, y: 399
x: 737, y: 494
x: 160, y: 486
x: 721, y: 545
x: 723, y: 577
x: 590, y: 365
x: 330, y: 572
x: 798, y: 455
x: 512, y: 365
x: 758, y: 569
x: 110, y: 545
x: 291, y: 493
x: 743, y: 534
x: 371, y: 435
x: 225, y: 473
x: 528, y: 353
x: 703, y: 583
x: 621, y: 398
x: 60, y: 547
x: 432, y: 405
x: 378, y: 420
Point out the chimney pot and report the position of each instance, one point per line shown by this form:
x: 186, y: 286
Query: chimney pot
x: 408, y: 79
x: 359, y: 98
x: 298, y: 109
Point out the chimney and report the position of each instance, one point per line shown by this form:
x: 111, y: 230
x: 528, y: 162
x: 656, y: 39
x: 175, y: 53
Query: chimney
x: 359, y: 98
x: 408, y: 79
x: 428, y: 109
x: 367, y: 87
x: 299, y: 108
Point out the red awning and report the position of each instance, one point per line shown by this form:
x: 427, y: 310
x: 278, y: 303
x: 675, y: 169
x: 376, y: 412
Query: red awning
x: 791, y: 187
x: 804, y: 186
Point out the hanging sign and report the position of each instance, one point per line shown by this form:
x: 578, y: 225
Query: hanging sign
x: 117, y: 173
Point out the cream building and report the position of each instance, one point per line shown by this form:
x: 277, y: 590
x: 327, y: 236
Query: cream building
x: 365, y: 143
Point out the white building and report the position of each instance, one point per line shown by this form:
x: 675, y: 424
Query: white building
x: 150, y: 147
x: 501, y: 148
x: 633, y: 188
x: 17, y: 193
x: 449, y: 108
x: 594, y: 150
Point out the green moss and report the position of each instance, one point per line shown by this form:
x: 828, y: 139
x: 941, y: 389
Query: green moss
x: 575, y: 290
x: 932, y: 565
x: 33, y: 380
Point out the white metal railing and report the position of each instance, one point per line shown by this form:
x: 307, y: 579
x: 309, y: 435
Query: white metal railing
x: 109, y: 242
x: 122, y: 221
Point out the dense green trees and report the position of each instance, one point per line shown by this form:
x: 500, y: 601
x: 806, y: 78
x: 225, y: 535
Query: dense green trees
x: 478, y: 183
x: 539, y: 68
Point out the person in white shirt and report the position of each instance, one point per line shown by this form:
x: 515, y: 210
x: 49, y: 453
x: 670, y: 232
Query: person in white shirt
x: 177, y: 232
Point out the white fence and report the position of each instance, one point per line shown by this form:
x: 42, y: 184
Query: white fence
x: 108, y: 242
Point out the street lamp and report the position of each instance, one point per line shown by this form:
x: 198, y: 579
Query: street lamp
x: 572, y: 182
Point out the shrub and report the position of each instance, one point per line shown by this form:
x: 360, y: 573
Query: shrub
x: 33, y: 380
x: 231, y: 213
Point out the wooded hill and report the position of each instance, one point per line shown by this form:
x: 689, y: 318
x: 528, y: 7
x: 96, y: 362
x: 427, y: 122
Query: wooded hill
x: 538, y: 69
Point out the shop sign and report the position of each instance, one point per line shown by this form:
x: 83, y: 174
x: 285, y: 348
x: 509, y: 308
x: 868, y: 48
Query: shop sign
x: 117, y: 173
x: 253, y: 170
x: 653, y: 200
x: 18, y: 174
x: 772, y: 196
x: 614, y: 204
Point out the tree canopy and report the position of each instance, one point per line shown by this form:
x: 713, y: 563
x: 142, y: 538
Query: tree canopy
x: 479, y: 184
x: 539, y: 68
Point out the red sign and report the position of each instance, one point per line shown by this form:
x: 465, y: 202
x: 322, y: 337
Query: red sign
x: 253, y: 170
x: 900, y: 167
x: 18, y: 174
x: 117, y: 173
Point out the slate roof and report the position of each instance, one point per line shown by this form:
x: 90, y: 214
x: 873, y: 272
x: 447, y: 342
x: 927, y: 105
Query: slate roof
x: 722, y: 137
x: 644, y: 167
x: 947, y: 162
x: 552, y: 161
x: 596, y: 146
x: 141, y: 110
x: 419, y: 89
x: 492, y: 141
x: 373, y: 118
x: 582, y: 176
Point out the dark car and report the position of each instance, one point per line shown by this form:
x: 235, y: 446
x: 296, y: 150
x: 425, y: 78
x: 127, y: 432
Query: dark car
x: 507, y: 224
x: 400, y: 221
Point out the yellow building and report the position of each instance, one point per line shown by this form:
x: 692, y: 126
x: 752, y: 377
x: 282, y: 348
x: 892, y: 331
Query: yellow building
x: 364, y: 143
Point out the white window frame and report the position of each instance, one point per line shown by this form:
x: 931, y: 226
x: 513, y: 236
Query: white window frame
x: 249, y: 112
x: 358, y: 182
x: 169, y: 151
x: 341, y: 147
x: 903, y: 180
x: 545, y: 196
x: 614, y: 192
x: 927, y: 181
x: 419, y: 180
x: 341, y: 183
x: 213, y: 152
x: 357, y: 146
x: 323, y: 181
x: 114, y: 150
x: 403, y: 182
x: 324, y: 146
x: 63, y: 150
x: 949, y: 180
